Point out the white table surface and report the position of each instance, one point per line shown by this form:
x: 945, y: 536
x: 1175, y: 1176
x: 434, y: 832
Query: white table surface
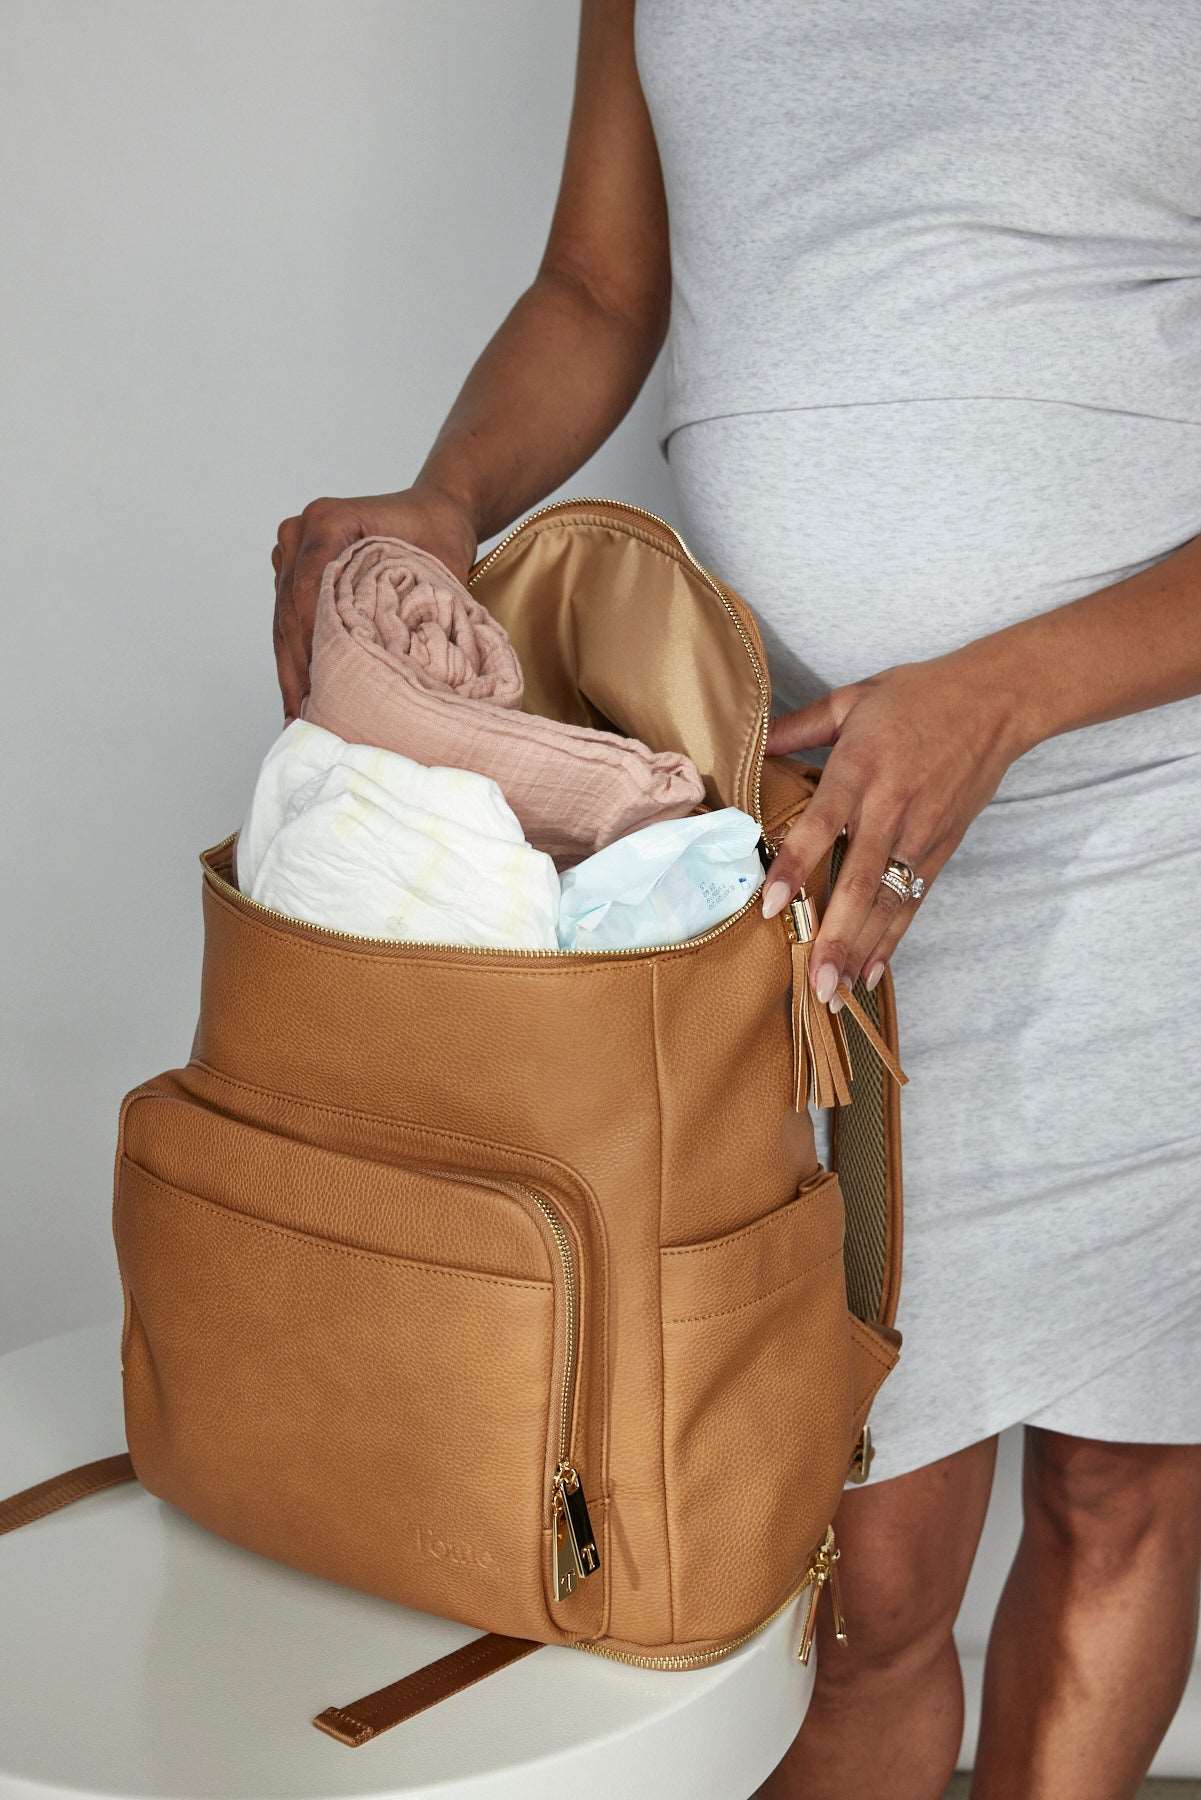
x: 141, y: 1656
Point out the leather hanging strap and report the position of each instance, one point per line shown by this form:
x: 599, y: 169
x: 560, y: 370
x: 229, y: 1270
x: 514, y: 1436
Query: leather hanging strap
x: 60, y: 1490
x: 361, y: 1720
x: 882, y: 1049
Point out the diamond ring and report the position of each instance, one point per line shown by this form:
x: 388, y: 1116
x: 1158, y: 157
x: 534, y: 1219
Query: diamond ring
x: 900, y: 878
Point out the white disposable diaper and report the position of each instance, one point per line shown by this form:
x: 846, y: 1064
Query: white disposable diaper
x: 666, y: 882
x: 367, y: 841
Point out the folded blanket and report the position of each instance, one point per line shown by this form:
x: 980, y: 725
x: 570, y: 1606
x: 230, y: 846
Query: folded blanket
x: 368, y: 841
x: 405, y: 657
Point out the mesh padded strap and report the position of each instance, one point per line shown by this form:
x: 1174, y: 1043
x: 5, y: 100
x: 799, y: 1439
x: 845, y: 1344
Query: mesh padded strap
x: 865, y: 1133
x: 865, y: 1151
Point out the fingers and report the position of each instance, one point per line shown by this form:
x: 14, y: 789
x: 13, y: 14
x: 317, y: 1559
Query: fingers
x: 855, y: 897
x: 888, y: 926
x: 304, y: 546
x: 835, y: 801
x: 883, y: 930
x: 863, y: 920
x: 290, y: 662
x: 809, y: 726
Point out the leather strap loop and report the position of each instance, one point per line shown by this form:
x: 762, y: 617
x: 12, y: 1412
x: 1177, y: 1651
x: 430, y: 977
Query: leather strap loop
x: 60, y: 1490
x: 361, y: 1720
x: 873, y: 1037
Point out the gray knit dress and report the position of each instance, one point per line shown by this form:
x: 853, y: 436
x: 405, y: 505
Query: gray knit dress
x: 934, y: 366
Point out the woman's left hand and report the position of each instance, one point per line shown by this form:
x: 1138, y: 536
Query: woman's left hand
x: 918, y: 750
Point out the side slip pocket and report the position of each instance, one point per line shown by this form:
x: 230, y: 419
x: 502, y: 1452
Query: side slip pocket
x: 757, y: 1407
x: 364, y: 1370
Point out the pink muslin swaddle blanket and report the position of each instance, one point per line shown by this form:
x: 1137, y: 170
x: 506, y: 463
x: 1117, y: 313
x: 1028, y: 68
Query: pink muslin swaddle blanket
x: 406, y: 658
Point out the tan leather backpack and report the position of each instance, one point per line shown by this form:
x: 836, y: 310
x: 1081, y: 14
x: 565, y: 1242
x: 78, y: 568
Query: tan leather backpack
x: 508, y: 1285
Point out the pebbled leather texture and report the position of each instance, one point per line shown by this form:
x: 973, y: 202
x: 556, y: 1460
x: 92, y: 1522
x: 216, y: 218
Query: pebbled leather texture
x: 413, y: 1221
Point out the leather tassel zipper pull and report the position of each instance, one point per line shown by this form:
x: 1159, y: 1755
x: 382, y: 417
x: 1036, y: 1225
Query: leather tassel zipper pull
x: 873, y: 1036
x: 819, y: 1043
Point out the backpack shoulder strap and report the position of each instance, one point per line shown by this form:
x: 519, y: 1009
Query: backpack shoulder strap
x: 352, y: 1725
x: 60, y: 1490
x: 865, y: 1127
x: 865, y: 1146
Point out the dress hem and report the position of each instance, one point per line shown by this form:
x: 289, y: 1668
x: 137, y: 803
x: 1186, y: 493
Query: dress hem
x: 1020, y: 1414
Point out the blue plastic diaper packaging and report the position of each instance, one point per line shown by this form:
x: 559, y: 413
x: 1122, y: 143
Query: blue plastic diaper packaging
x: 666, y: 882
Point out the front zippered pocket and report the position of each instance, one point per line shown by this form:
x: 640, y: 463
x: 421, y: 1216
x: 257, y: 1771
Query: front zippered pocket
x: 368, y: 1370
x: 575, y: 1554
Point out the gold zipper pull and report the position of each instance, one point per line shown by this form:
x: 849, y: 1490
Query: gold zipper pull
x: 823, y: 1572
x: 840, y: 1620
x: 817, y: 1582
x: 564, y: 1564
x: 574, y: 1540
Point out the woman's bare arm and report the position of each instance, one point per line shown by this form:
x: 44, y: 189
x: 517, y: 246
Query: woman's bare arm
x: 555, y: 379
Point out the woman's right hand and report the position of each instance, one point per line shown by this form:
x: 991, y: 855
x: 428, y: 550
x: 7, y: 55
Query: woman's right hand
x: 422, y: 515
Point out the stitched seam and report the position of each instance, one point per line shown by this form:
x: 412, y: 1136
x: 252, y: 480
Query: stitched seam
x: 359, y: 1732
x: 747, y: 1232
x: 432, y: 1675
x: 485, y: 1180
x: 729, y: 1311
x: 304, y: 1240
x: 437, y: 1132
x: 671, y: 1600
x: 876, y: 1357
x: 868, y: 1343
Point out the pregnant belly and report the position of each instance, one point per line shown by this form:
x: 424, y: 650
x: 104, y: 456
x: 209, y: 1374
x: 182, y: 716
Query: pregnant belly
x: 868, y: 535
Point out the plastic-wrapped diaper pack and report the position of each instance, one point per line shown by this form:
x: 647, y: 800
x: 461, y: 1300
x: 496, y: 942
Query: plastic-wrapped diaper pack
x: 367, y: 841
x: 669, y: 881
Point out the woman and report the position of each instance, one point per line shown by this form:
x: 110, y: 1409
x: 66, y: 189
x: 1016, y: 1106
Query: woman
x: 933, y: 280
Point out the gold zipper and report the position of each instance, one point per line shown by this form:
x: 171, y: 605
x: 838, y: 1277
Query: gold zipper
x: 823, y: 1557
x: 408, y: 945
x: 570, y: 1313
x: 710, y: 581
x: 575, y: 1554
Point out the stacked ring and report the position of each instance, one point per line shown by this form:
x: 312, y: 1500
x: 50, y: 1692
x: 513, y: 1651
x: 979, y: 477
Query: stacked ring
x: 900, y: 878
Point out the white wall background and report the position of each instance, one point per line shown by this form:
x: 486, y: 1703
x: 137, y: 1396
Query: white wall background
x: 256, y: 246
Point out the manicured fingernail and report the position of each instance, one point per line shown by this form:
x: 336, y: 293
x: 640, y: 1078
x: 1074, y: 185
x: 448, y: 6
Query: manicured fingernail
x: 873, y: 975
x: 836, y: 1004
x: 776, y: 896
x: 825, y: 982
